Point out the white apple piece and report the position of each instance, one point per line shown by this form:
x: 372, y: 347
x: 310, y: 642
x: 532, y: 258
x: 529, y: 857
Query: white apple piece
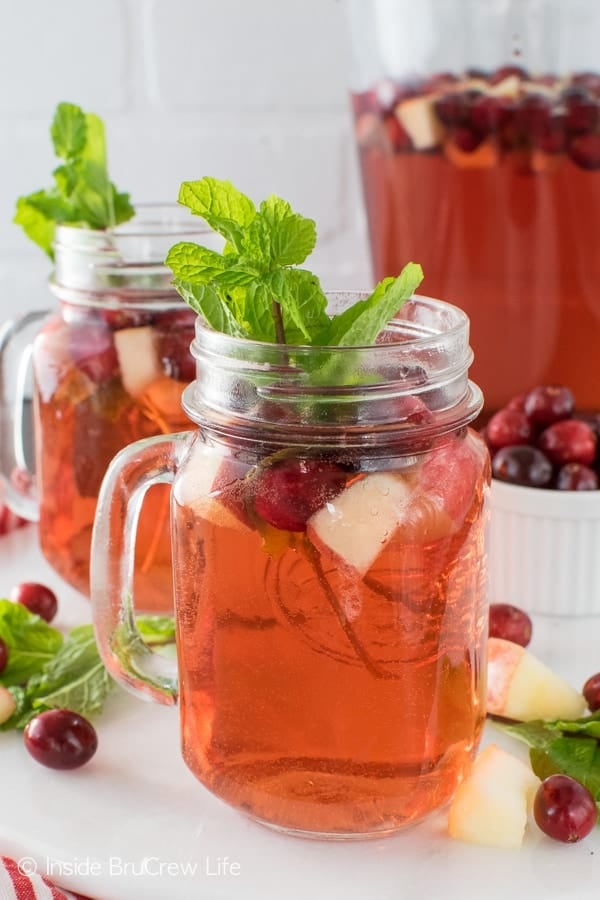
x: 417, y: 117
x: 357, y: 524
x: 138, y: 358
x: 194, y: 488
x: 521, y: 687
x: 7, y: 705
x: 490, y: 807
x: 509, y: 87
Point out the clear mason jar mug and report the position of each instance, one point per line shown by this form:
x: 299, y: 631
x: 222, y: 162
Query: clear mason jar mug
x: 327, y: 520
x: 478, y: 128
x: 109, y: 366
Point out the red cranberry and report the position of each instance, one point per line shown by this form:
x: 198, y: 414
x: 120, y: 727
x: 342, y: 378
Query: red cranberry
x: 581, y: 111
x: 126, y: 317
x: 591, y: 692
x: 575, y: 477
x: 585, y: 151
x: 564, y: 809
x: 466, y: 139
x: 38, y: 599
x: 92, y: 347
x: 588, y: 80
x: 568, y: 441
x: 523, y: 465
x: 287, y: 493
x: 549, y: 403
x: 517, y: 403
x: 510, y: 623
x: 477, y: 74
x: 451, y: 109
x: 509, y: 427
x: 508, y: 71
x: 533, y: 113
x: 3, y: 655
x: 60, y: 739
x: 488, y: 114
x: 10, y: 521
x: 552, y: 137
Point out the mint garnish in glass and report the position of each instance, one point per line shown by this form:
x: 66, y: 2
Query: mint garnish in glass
x: 83, y: 194
x: 254, y: 288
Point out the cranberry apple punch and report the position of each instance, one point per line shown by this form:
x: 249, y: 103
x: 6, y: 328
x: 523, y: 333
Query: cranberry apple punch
x: 328, y: 536
x: 478, y: 127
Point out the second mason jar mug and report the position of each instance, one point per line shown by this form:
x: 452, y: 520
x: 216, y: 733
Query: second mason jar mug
x: 478, y: 127
x: 328, y: 524
x: 109, y: 367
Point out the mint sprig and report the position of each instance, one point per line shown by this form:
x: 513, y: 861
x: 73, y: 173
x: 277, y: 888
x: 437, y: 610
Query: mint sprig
x: 565, y: 747
x: 255, y: 288
x: 82, y: 194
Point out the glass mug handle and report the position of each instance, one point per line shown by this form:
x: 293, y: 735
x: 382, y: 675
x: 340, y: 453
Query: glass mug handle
x: 131, y: 473
x: 16, y: 337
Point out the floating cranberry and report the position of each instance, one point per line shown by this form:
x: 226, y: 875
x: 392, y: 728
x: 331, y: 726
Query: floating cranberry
x: 581, y: 111
x: 509, y: 427
x: 287, y: 493
x: 575, y: 477
x: 451, y: 109
x: 517, y: 403
x: 591, y: 692
x: 549, y: 403
x: 38, y: 599
x: 585, y: 151
x: 552, y: 138
x: 568, y: 441
x: 508, y: 71
x: 466, y: 139
x: 523, y: 465
x: 488, y: 114
x: 175, y: 333
x: 588, y: 80
x: 510, y: 623
x: 533, y: 114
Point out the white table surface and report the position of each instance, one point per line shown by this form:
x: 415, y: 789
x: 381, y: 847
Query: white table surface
x: 108, y: 828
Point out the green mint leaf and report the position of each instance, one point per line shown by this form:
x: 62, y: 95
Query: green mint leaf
x: 94, y: 149
x: 258, y: 312
x: 194, y: 264
x: 75, y: 678
x: 221, y: 205
x: 578, y: 757
x: 207, y: 303
x: 122, y: 206
x: 156, y: 629
x: 278, y: 236
x: 30, y: 640
x: 360, y: 324
x: 68, y: 131
x: 302, y: 302
x: 35, y: 223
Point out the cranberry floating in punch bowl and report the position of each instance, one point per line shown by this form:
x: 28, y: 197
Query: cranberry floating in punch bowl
x: 478, y: 134
x: 545, y: 504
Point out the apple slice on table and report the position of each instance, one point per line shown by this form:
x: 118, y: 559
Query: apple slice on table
x: 490, y: 807
x: 521, y: 687
x: 205, y: 487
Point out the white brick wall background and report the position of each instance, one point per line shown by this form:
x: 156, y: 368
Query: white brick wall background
x: 251, y: 90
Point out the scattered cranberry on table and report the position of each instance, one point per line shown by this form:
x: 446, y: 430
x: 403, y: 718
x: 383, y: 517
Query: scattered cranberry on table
x: 60, y: 739
x: 510, y: 623
x: 591, y: 692
x: 564, y: 809
x: 3, y: 656
x: 38, y: 599
x: 538, y: 440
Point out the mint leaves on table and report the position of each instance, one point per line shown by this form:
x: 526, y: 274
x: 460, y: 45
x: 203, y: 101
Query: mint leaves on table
x: 47, y: 671
x: 566, y: 747
x: 254, y: 288
x: 82, y: 194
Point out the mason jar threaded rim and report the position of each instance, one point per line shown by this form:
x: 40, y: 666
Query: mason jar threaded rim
x: 412, y: 383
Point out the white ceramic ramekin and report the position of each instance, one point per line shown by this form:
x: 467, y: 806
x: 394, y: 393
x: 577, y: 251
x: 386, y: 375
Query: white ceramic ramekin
x: 544, y: 549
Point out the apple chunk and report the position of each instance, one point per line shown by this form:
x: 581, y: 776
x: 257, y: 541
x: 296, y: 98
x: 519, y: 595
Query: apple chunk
x: 521, y: 687
x: 417, y: 117
x: 138, y: 358
x: 490, y: 807
x: 359, y: 522
x: 202, y: 485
